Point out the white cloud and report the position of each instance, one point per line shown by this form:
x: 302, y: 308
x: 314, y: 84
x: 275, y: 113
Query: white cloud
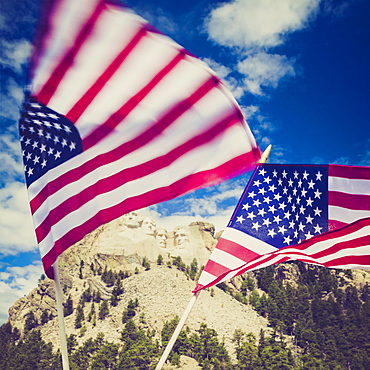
x: 264, y: 70
x: 15, y: 54
x: 15, y: 282
x: 11, y: 99
x: 16, y: 228
x: 258, y: 23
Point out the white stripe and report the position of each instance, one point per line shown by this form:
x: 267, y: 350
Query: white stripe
x: 255, y: 245
x: 349, y: 186
x: 346, y: 215
x: 161, y: 178
x: 65, y: 27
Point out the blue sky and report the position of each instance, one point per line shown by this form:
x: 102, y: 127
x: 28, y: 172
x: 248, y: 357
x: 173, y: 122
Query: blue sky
x: 299, y: 69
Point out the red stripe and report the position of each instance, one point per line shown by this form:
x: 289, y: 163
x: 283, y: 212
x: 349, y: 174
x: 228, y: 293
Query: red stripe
x: 349, y: 201
x: 349, y: 172
x: 76, y: 111
x: 56, y: 77
x: 126, y: 175
x: 189, y: 183
x: 359, y: 261
x: 334, y: 225
x: 124, y: 149
x: 107, y: 127
x: 236, y: 250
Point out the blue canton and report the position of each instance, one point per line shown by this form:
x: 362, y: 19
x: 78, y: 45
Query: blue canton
x: 284, y: 205
x: 47, y: 138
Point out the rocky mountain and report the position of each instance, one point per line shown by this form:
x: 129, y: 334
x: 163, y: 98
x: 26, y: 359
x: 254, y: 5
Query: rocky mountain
x: 133, y: 269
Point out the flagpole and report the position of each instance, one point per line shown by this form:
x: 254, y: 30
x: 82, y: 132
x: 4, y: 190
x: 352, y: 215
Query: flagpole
x: 177, y: 331
x: 62, y: 331
x: 193, y: 299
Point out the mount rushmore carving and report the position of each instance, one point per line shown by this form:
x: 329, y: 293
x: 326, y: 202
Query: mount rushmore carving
x: 133, y: 234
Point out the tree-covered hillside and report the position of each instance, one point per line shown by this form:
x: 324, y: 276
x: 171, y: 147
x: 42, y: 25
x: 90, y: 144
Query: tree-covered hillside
x: 319, y: 320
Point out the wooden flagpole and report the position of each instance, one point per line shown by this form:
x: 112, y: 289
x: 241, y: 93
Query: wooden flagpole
x: 62, y: 331
x: 177, y: 331
x: 193, y: 299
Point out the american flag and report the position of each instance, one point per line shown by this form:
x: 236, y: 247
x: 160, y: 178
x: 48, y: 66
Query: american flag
x: 118, y: 117
x: 316, y: 214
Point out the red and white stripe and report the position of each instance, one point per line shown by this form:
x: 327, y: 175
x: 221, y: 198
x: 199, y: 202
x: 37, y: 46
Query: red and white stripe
x: 155, y: 121
x: 347, y: 246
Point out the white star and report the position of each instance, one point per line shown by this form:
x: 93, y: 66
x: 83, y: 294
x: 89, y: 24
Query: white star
x: 262, y: 212
x: 298, y: 200
x: 47, y: 136
x: 57, y: 126
x: 282, y: 229
x: 295, y: 191
x: 246, y: 206
x: 277, y: 219
x: 301, y: 210
x: 293, y: 208
x: 295, y: 174
x: 41, y: 114
x: 317, y: 211
x: 309, y: 202
x: 240, y: 219
x: 51, y: 150
x: 274, y: 173
x: 36, y: 159
x: 31, y: 130
x: 272, y: 188
x: 271, y: 233
x: 47, y: 124
x: 28, y: 157
x: 35, y: 105
x: 257, y: 183
x: 317, y: 229
x: 282, y: 206
x: 287, y: 215
x: 303, y: 192
x: 262, y: 171
x: 290, y: 183
x: 287, y: 240
x: 251, y: 194
x: 64, y: 142
x: 308, y: 235
x: 272, y: 209
x: 30, y: 171
x: 72, y: 146
x: 311, y: 184
x: 35, y: 144
x: 289, y: 199
x: 67, y: 129
x: 301, y: 226
x: 256, y: 202
x: 251, y: 215
x: 284, y: 174
x: 56, y: 139
x: 267, y: 200
x: 262, y: 191
x: 291, y: 224
x: 317, y: 194
x: 280, y: 182
x: 256, y: 226
x: 43, y: 164
x: 285, y: 190
x: 305, y: 175
x: 319, y: 176
x: 296, y: 234
x: 57, y: 154
x: 266, y: 222
x: 40, y: 133
x: 309, y: 219
x: 267, y: 179
x: 53, y: 116
x: 43, y: 148
x: 27, y: 142
x: 300, y: 183
x: 37, y: 122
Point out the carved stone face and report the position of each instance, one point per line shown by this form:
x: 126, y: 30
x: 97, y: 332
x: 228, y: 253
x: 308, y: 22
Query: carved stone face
x: 149, y: 226
x: 161, y: 237
x: 131, y: 220
x: 181, y: 238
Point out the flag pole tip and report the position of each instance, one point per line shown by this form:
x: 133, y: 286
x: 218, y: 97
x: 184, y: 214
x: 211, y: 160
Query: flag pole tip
x: 265, y: 154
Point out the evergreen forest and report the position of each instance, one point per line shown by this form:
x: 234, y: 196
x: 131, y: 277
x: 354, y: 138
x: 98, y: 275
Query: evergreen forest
x: 320, y: 323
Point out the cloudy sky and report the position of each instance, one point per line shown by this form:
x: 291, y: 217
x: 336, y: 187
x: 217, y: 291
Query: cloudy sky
x: 298, y: 68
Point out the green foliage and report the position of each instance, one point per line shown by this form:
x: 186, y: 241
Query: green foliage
x: 68, y: 307
x: 145, y: 263
x: 31, y: 322
x: 103, y: 310
x: 160, y: 259
x: 130, y: 311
